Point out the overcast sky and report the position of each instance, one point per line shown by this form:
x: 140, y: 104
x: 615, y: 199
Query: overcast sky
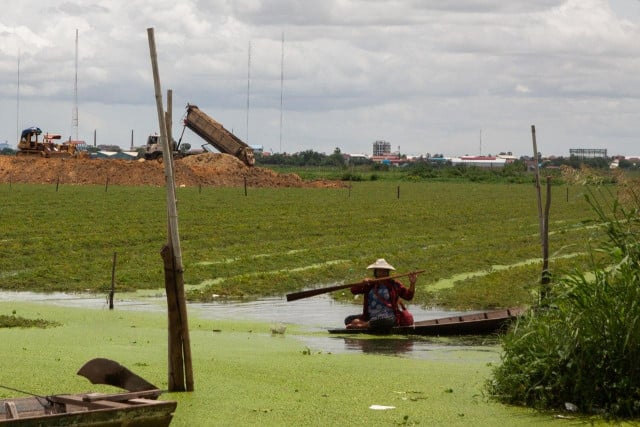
x: 429, y: 76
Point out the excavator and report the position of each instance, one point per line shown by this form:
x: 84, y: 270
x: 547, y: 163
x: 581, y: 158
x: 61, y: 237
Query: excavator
x: 30, y: 145
x: 208, y: 129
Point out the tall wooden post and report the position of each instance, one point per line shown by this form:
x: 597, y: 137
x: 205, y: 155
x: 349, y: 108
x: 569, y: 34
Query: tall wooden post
x: 180, y: 369
x: 169, y: 119
x: 543, y: 218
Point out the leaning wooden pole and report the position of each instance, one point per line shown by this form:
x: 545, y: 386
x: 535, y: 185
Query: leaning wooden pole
x: 543, y: 220
x: 180, y: 368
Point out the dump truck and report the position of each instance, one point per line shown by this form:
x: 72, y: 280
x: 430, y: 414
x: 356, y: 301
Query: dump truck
x: 31, y: 145
x: 208, y: 129
x: 216, y: 135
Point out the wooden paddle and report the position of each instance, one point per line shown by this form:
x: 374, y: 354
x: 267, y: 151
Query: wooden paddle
x: 312, y: 292
x: 106, y: 371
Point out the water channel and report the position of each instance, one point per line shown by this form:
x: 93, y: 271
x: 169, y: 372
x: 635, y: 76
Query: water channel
x: 316, y: 314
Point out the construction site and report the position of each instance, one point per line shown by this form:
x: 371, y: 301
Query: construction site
x: 42, y: 161
x: 207, y: 169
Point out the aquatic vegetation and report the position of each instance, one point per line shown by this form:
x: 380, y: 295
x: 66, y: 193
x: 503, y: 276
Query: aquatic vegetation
x: 15, y: 321
x: 274, y: 241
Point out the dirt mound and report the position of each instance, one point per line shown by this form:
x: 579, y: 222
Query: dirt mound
x: 210, y: 169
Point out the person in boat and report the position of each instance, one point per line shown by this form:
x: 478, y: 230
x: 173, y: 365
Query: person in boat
x: 381, y: 300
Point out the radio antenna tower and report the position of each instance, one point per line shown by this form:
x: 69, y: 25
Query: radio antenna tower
x: 74, y: 116
x: 18, y: 102
x: 248, y: 88
x: 281, y: 87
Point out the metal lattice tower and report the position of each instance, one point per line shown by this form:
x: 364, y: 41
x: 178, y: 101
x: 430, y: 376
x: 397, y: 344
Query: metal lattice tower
x: 74, y: 116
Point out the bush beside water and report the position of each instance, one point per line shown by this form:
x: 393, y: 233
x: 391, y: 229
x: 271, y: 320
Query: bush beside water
x: 581, y: 351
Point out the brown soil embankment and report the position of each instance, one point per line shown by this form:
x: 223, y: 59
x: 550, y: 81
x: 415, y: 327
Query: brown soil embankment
x: 209, y: 169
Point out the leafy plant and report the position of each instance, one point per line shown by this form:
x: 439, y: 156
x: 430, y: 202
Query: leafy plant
x: 275, y: 241
x: 14, y: 321
x: 583, y: 351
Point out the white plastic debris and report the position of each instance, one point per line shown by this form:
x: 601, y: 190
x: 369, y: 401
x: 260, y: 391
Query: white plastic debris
x: 381, y: 407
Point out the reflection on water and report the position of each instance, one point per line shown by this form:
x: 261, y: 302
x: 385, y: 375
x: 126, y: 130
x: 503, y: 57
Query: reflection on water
x: 316, y: 315
x: 391, y: 346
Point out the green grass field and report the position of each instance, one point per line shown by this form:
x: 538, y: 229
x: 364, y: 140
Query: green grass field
x: 478, y: 242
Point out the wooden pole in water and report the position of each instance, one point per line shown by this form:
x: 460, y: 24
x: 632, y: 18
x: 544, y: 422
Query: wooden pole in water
x: 543, y: 223
x: 113, y: 281
x: 180, y: 368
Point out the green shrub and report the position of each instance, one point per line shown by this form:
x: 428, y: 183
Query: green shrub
x: 350, y: 176
x: 14, y: 321
x: 583, y: 349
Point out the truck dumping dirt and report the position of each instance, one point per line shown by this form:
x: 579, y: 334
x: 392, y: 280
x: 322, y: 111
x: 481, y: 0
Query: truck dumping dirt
x: 208, y: 169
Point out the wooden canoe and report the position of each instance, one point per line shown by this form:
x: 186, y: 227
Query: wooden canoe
x: 468, y: 324
x: 133, y: 409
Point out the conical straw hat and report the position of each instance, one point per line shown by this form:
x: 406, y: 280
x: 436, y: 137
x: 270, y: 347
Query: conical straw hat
x: 381, y: 264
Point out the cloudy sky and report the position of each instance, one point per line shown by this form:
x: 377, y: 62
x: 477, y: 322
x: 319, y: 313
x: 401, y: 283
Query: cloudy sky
x: 429, y: 76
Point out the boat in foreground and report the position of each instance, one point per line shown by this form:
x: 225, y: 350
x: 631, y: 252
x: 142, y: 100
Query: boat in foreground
x: 136, y: 407
x: 468, y: 324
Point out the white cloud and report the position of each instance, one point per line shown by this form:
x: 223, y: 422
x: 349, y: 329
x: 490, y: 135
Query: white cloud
x: 426, y: 75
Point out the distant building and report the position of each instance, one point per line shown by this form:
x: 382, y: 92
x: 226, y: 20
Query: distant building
x: 588, y: 153
x: 356, y: 157
x: 481, y: 161
x: 106, y: 147
x: 119, y: 155
x: 381, y: 148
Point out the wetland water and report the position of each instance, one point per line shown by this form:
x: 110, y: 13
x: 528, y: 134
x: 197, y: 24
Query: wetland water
x: 315, y: 315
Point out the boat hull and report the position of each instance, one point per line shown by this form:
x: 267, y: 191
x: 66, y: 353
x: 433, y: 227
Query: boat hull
x: 487, y: 322
x: 95, y: 410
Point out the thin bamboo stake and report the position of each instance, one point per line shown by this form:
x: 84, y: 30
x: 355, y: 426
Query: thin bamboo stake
x: 113, y: 281
x: 545, y: 281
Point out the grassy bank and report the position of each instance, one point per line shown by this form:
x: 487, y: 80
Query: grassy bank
x: 469, y: 237
x: 245, y: 376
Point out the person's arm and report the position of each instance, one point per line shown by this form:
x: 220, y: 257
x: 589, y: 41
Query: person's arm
x: 360, y: 288
x: 408, y: 293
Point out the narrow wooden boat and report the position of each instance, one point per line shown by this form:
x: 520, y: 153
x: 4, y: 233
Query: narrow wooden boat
x: 468, y: 324
x: 134, y: 409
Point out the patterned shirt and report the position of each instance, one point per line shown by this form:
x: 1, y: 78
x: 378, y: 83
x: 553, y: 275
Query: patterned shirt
x: 377, y: 307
